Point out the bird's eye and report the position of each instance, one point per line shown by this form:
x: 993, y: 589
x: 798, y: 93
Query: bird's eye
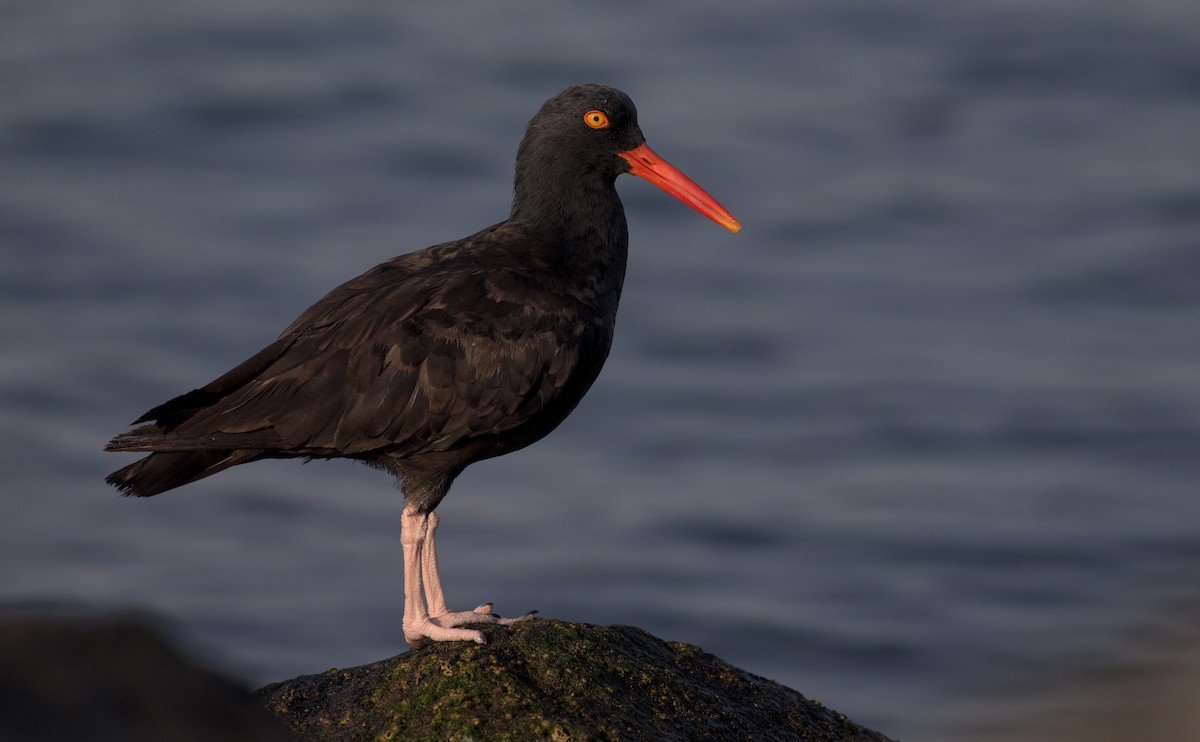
x: 596, y: 119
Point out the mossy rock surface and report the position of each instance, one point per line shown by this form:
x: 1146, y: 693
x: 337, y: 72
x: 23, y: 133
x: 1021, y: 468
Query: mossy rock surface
x: 552, y: 680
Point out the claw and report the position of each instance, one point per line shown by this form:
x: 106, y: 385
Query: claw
x: 508, y: 621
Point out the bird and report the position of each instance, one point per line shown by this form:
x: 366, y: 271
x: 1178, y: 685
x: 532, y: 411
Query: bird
x: 442, y: 357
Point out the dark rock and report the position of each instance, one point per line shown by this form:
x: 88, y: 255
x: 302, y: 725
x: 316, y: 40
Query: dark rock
x: 552, y: 680
x: 69, y: 675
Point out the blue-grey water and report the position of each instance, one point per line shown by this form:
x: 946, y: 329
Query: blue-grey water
x: 922, y: 441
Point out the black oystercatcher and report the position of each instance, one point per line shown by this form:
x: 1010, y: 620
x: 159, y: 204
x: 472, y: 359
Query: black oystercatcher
x: 442, y: 357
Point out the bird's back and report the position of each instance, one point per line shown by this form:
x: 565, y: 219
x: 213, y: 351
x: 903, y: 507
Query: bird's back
x: 437, y: 358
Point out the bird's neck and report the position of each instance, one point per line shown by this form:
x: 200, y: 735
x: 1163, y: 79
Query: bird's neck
x: 582, y: 217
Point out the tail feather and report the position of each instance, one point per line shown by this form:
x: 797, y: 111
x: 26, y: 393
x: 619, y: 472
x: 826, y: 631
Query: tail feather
x: 152, y: 439
x: 167, y: 470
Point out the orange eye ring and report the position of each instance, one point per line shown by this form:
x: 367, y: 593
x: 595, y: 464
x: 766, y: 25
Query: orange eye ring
x: 596, y: 119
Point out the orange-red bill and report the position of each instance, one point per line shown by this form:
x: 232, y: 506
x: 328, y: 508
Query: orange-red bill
x: 645, y: 164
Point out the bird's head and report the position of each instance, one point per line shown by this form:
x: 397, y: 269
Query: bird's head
x: 591, y: 132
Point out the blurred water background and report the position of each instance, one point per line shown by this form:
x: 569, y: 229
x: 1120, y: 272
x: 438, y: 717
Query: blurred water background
x: 922, y: 442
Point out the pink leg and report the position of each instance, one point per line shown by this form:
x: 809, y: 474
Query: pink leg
x: 433, y: 621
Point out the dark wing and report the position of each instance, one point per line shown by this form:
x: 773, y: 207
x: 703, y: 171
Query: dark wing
x: 421, y: 353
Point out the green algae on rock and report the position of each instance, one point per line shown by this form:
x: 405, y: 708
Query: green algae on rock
x: 554, y: 680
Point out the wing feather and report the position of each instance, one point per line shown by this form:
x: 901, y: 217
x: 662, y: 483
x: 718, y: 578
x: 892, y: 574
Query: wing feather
x: 417, y: 354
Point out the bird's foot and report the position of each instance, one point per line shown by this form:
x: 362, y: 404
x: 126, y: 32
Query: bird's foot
x: 444, y: 627
x: 481, y: 614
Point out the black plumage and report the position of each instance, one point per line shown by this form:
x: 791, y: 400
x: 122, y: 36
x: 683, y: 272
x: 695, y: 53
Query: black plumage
x: 445, y: 356
x: 420, y: 366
